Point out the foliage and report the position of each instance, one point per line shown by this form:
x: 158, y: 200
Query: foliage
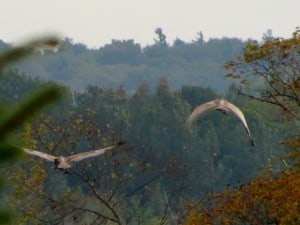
x: 121, y: 52
x: 276, y: 63
x: 268, y: 72
x: 125, y: 62
x: 163, y: 167
x: 26, y: 182
x: 265, y: 200
x: 13, y: 116
x: 161, y: 38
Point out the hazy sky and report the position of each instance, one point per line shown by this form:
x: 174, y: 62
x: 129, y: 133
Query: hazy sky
x: 96, y: 22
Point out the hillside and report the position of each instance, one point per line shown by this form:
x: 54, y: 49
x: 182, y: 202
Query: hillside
x: 124, y: 63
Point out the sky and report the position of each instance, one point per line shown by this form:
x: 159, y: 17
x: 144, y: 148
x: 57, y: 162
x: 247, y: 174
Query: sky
x: 96, y: 22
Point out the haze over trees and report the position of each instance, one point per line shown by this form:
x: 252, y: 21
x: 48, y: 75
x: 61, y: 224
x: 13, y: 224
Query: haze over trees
x: 165, y: 174
x: 126, y: 63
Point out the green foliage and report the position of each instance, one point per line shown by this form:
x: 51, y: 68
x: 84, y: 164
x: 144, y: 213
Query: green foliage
x: 13, y: 116
x: 273, y: 197
x: 124, y: 62
x: 163, y: 167
x: 163, y: 159
x: 7, y: 152
x: 269, y: 72
x: 121, y: 52
x: 150, y: 127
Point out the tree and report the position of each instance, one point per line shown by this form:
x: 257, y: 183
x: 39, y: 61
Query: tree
x: 199, y: 39
x: 107, y: 189
x: 162, y: 42
x: 59, y: 202
x: 108, y: 105
x: 178, y: 42
x: 118, y: 52
x: 268, y: 72
x: 13, y: 116
x: 265, y: 200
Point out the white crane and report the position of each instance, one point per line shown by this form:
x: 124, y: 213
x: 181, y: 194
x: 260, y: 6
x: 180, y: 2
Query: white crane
x: 63, y: 162
x: 223, y: 106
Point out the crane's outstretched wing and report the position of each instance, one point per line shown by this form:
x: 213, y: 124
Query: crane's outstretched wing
x: 89, y: 154
x: 40, y: 154
x: 238, y: 113
x: 200, y: 110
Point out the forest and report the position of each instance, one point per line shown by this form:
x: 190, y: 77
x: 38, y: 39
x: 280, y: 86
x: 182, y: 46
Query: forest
x: 78, y: 99
x: 125, y: 63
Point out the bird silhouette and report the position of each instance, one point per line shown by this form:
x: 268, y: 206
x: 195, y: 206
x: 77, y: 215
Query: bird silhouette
x: 223, y: 106
x: 64, y: 162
